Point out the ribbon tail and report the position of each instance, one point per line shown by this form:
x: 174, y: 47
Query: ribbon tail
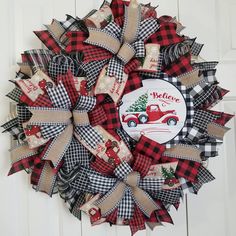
x: 59, y: 145
x: 111, y: 200
x: 47, y: 180
x: 144, y: 201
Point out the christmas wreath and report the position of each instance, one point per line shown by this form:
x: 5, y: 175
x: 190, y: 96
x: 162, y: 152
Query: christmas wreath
x: 115, y: 115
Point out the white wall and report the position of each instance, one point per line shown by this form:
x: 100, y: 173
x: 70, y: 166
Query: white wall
x: 23, y: 212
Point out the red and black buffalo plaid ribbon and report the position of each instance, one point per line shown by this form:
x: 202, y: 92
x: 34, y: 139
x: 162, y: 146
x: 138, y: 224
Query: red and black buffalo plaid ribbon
x: 48, y: 41
x: 166, y: 35
x: 180, y: 66
x: 134, y: 82
x: 149, y: 148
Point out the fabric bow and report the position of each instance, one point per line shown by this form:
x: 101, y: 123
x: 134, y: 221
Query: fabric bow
x: 124, y: 43
x: 63, y: 124
x: 123, y: 192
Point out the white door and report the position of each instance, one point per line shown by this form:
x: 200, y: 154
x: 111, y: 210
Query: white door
x: 23, y: 212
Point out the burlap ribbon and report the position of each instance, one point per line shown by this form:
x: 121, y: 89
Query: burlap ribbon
x: 124, y: 43
x: 128, y: 181
x: 75, y: 122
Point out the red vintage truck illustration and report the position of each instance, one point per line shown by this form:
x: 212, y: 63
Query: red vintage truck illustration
x: 153, y: 114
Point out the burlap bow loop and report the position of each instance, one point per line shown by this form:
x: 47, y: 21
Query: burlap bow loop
x: 124, y: 43
x: 62, y: 124
x: 122, y: 192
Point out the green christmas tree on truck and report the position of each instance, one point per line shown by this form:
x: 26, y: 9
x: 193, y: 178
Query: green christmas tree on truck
x: 140, y: 104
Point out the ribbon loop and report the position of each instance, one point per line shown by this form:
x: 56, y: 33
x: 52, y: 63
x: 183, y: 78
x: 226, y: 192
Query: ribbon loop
x: 49, y: 116
x: 126, y: 53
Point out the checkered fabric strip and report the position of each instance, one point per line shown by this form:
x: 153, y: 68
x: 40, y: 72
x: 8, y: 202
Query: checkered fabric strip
x: 116, y: 69
x: 209, y: 76
x: 194, y: 135
x: 36, y: 172
x: 174, y: 52
x: 94, y: 53
x: 204, y: 66
x: 59, y: 96
x: 122, y: 170
x: 76, y: 154
x: 149, y: 184
x: 171, y: 196
x: 23, y: 164
x: 149, y: 148
x: 137, y: 222
x: 197, y: 90
x: 142, y: 164
x: 101, y: 184
x: 186, y: 186
x: 188, y: 169
x: 92, y: 70
x: 204, y: 177
x: 196, y: 48
x: 42, y: 101
x: 85, y: 103
x: 134, y: 82
x: 180, y: 66
x: 75, y: 203
x: 51, y: 131
x: 60, y: 65
x: 209, y: 149
x: 97, y: 116
x: 82, y: 183
x: 38, y: 59
x: 19, y: 74
x: 132, y: 65
x: 112, y: 116
x: 89, y: 135
x: 76, y: 41
x: 162, y: 214
x: 102, y: 167
x: 26, y: 100
x: 203, y: 118
x: 69, y: 84
x: 112, y: 217
x: 208, y: 91
x: 117, y: 7
x: 214, y: 99
x: 126, y: 205
x: 124, y: 137
x: 70, y: 24
x: 223, y: 117
x: 147, y: 27
x: 48, y: 41
x: 23, y: 113
x: 9, y: 125
x: 166, y: 35
x: 15, y: 94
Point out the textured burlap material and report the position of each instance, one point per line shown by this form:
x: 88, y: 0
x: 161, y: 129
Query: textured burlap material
x: 191, y: 79
x: 47, y: 180
x: 49, y: 116
x: 132, y: 22
x: 126, y: 53
x: 130, y: 34
x: 25, y: 69
x: 21, y: 152
x: 184, y: 152
x: 103, y: 39
x: 216, y: 130
x: 80, y: 118
x: 112, y: 199
x: 59, y: 145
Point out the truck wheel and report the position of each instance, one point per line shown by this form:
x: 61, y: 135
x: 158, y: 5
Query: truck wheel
x: 143, y: 118
x: 132, y: 123
x: 171, y: 121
